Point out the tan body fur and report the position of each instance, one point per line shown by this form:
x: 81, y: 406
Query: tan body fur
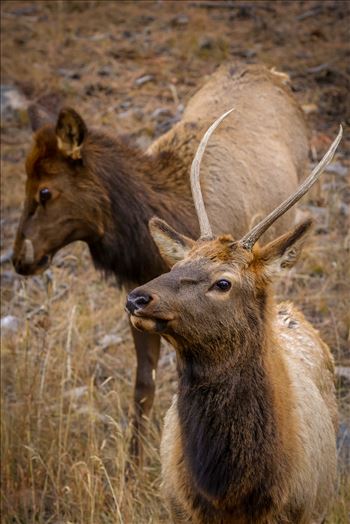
x: 301, y: 372
x: 256, y: 142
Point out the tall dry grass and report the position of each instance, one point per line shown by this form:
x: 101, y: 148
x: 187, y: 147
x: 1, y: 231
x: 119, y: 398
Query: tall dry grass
x: 66, y: 408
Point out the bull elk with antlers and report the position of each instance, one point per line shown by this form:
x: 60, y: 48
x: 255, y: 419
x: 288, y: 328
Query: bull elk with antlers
x: 250, y: 436
x: 85, y: 185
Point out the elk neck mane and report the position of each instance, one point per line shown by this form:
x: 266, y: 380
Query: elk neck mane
x: 231, y: 443
x: 137, y: 187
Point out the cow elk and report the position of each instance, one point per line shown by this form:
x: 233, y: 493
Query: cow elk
x: 85, y: 185
x: 250, y: 436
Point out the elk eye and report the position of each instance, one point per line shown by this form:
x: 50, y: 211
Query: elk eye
x: 44, y: 195
x: 222, y: 285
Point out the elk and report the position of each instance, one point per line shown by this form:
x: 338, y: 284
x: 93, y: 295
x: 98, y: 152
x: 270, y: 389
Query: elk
x: 85, y: 185
x: 250, y: 437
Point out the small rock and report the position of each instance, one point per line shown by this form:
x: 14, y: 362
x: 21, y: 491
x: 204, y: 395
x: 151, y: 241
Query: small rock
x: 164, y: 126
x: 125, y: 105
x: 127, y: 34
x: 343, y: 445
x: 6, y: 257
x: 8, y: 277
x: 11, y: 100
x: 206, y: 43
x: 110, y: 340
x: 25, y: 11
x: 161, y: 112
x: 344, y: 209
x: 143, y: 80
x: 125, y: 114
x: 9, y: 324
x: 97, y: 37
x: 180, y: 20
x: 105, y: 71
x: 337, y: 168
x: 343, y: 371
x: 69, y: 73
x: 168, y: 359
x: 245, y: 53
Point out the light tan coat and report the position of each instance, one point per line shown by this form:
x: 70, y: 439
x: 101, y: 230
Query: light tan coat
x: 311, y: 381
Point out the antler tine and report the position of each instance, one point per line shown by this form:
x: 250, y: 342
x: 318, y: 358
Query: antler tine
x: 250, y: 238
x: 205, y: 228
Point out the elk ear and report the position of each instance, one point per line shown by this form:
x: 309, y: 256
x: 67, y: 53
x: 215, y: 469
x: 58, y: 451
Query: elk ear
x: 285, y: 250
x: 39, y: 117
x: 70, y: 132
x: 172, y: 246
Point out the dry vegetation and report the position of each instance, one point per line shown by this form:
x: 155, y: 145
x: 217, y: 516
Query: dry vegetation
x: 68, y: 363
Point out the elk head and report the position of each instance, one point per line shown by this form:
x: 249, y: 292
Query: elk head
x: 217, y: 287
x: 62, y: 203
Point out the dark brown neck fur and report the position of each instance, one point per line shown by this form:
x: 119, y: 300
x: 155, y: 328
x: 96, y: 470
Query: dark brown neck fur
x: 231, y: 444
x: 138, y: 187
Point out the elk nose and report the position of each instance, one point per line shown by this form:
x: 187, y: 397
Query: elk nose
x: 137, y: 300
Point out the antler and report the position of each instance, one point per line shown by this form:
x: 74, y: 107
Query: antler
x: 205, y: 228
x: 250, y: 238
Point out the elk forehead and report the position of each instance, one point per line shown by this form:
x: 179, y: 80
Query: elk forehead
x: 43, y: 150
x: 221, y: 250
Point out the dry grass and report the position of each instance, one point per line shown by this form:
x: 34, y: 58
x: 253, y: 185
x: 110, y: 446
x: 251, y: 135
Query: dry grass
x: 66, y: 402
x: 66, y: 394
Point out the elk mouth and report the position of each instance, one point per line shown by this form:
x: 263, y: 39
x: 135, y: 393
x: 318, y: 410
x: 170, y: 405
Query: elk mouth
x: 44, y: 262
x: 149, y: 323
x: 33, y: 269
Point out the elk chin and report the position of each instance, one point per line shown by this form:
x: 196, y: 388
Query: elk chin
x: 43, y: 263
x: 36, y: 268
x: 151, y: 325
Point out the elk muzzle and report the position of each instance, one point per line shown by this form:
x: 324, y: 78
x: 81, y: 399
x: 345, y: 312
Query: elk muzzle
x: 24, y: 260
x: 137, y: 301
x: 145, y: 311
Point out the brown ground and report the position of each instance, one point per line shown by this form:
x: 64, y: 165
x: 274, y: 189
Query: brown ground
x: 66, y: 388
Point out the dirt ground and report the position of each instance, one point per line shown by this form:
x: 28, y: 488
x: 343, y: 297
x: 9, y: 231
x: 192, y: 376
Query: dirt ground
x: 67, y: 357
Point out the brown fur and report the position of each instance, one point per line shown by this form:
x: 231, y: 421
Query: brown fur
x: 104, y: 191
x: 250, y: 437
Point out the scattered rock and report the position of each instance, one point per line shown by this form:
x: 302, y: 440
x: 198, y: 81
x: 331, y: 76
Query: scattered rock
x: 245, y: 53
x: 125, y: 105
x: 206, y: 42
x: 164, y: 126
x: 343, y: 371
x: 180, y: 20
x: 8, y: 277
x: 6, y: 257
x: 95, y: 89
x: 25, y: 11
x: 97, y: 37
x: 110, y: 340
x: 344, y: 209
x: 9, y: 324
x: 343, y: 445
x: 144, y: 80
x: 168, y: 359
x: 161, y: 112
x: 105, y: 71
x: 71, y: 74
x: 337, y: 168
x: 12, y: 101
